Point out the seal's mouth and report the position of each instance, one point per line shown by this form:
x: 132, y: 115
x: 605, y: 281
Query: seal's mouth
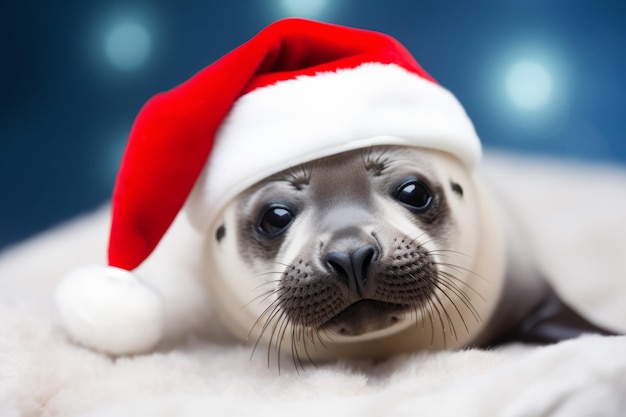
x: 365, y: 316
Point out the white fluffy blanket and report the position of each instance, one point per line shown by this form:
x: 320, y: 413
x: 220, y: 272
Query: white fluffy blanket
x: 576, y: 215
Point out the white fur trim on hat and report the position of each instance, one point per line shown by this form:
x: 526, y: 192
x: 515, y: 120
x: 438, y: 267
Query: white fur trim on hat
x: 295, y: 121
x: 110, y: 310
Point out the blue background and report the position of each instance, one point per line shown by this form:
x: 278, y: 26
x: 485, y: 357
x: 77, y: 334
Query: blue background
x: 71, y: 87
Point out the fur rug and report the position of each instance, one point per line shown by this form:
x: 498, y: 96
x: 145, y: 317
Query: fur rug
x: 576, y: 215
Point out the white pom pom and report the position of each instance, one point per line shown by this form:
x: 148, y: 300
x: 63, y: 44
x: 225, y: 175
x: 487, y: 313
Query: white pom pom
x: 110, y: 310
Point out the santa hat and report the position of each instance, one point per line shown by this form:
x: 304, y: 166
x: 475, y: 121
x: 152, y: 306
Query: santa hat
x: 299, y: 90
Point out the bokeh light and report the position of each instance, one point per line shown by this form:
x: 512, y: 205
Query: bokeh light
x: 128, y: 46
x: 529, y: 85
x: 304, y: 8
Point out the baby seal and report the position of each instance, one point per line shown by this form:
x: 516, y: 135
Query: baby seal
x: 335, y: 183
x: 377, y: 251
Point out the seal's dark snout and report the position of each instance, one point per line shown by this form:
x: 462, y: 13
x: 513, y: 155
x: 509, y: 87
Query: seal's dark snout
x: 353, y: 266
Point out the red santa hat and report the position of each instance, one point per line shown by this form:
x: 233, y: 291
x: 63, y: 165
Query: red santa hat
x: 297, y: 91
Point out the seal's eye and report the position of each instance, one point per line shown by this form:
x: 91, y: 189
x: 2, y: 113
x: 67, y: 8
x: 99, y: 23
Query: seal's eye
x: 275, y: 219
x: 414, y: 195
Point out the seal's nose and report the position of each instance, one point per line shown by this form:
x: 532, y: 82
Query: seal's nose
x: 353, y: 266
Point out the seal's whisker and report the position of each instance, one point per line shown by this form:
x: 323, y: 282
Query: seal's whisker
x: 272, y: 284
x: 462, y: 297
x: 438, y: 254
x: 416, y: 313
x: 300, y: 339
x: 272, y: 321
x: 422, y: 311
x: 262, y: 274
x: 286, y: 265
x: 452, y: 285
x: 432, y: 239
x: 280, y: 336
x: 454, y: 280
x: 450, y: 281
x: 272, y: 344
x: 272, y: 307
x: 431, y: 319
x: 265, y: 291
x: 269, y: 282
x: 295, y: 352
x: 269, y: 312
x: 304, y: 338
x: 283, y: 331
x: 413, y: 240
x: 431, y: 309
x: 266, y: 283
x: 312, y: 334
x: 446, y: 314
x: 460, y: 268
x: 316, y: 334
x: 285, y: 325
x: 441, y: 251
x: 264, y: 295
x: 269, y: 347
x: 461, y: 282
x: 458, y: 311
x: 277, y: 314
x: 275, y: 340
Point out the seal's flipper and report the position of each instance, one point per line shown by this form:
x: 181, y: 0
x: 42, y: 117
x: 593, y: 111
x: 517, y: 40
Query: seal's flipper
x: 551, y: 321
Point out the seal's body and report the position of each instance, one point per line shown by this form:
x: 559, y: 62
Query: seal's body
x: 369, y: 253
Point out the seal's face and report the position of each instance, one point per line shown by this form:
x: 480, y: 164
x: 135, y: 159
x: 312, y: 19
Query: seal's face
x: 352, y: 247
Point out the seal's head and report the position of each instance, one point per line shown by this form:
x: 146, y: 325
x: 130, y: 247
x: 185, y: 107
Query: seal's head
x: 373, y: 147
x: 352, y: 251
